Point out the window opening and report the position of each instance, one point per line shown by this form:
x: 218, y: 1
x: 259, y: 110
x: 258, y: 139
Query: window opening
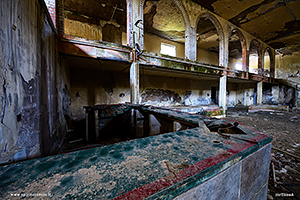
x: 168, y: 49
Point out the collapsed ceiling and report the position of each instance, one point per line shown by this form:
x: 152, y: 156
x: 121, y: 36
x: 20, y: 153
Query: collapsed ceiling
x: 276, y: 22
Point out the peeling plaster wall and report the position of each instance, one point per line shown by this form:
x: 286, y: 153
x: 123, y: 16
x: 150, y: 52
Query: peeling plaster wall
x: 288, y: 67
x: 278, y: 94
x: 32, y: 82
x: 170, y: 91
x: 90, y: 87
x: 241, y: 94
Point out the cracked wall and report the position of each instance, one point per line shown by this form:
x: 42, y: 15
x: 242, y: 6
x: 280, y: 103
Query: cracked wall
x: 28, y: 58
x: 288, y: 68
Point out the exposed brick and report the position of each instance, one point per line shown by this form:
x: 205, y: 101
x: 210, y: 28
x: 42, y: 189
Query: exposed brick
x: 51, y: 8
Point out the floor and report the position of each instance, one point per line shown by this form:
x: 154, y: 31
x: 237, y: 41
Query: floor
x: 284, y: 127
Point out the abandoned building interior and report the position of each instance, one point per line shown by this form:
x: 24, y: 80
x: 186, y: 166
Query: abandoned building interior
x: 84, y: 75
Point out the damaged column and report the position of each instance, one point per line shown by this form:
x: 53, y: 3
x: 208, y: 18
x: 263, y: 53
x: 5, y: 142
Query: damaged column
x: 134, y: 83
x: 190, y: 43
x: 223, y: 80
x: 135, y: 40
x: 259, y: 92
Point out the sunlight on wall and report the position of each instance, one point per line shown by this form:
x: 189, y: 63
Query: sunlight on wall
x: 168, y: 49
x: 238, y: 66
x: 253, y: 64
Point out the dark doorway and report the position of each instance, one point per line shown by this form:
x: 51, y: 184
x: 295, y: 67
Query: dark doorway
x: 214, y: 95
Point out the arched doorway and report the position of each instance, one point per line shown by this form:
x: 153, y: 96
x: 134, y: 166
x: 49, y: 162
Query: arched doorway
x: 210, y: 39
x: 237, y: 51
x: 255, y: 65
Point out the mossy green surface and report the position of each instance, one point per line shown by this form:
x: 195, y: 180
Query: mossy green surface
x: 108, y: 171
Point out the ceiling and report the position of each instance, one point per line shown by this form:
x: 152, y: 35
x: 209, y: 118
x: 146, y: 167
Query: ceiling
x: 276, y: 22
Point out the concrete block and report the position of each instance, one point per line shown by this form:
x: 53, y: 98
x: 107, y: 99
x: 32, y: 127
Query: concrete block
x: 255, y: 171
x: 223, y: 186
x: 262, y: 194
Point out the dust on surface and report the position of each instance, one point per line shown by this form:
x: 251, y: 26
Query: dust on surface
x: 284, y: 127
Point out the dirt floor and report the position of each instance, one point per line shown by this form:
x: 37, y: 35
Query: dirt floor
x: 284, y: 126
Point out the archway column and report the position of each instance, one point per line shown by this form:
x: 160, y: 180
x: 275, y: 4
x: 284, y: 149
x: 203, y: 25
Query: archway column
x: 260, y: 60
x: 272, y: 63
x: 135, y: 40
x: 223, y: 61
x: 191, y: 43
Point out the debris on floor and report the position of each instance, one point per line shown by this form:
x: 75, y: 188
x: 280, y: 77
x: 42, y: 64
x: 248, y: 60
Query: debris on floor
x: 284, y: 126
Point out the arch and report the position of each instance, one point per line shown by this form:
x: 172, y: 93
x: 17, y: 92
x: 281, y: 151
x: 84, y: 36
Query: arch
x: 188, y: 30
x: 242, y: 39
x: 272, y: 61
x: 179, y: 6
x: 220, y: 32
x: 256, y: 44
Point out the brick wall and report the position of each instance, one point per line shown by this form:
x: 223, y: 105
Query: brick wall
x: 51, y: 8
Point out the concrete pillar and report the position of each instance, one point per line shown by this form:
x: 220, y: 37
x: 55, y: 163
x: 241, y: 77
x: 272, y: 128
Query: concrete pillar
x: 135, y: 39
x: 137, y: 23
x: 129, y: 23
x: 134, y: 83
x: 190, y: 43
x: 259, y: 92
x: 222, y: 93
x: 223, y: 61
x: 224, y: 51
x: 60, y: 16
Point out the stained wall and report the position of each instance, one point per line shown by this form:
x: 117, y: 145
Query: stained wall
x: 34, y: 90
